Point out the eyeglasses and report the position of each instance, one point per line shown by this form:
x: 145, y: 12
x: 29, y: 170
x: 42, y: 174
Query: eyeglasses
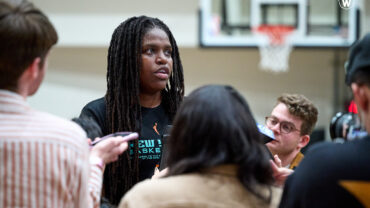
x: 285, y: 126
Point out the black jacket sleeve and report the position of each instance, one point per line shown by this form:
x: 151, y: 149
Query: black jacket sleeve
x: 96, y: 111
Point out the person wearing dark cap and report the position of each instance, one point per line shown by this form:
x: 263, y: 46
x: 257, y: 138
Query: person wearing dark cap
x: 332, y: 174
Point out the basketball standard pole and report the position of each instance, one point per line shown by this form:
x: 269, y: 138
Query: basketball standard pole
x: 336, y: 82
x: 337, y: 66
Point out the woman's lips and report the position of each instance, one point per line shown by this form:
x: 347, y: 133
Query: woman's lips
x: 162, y: 73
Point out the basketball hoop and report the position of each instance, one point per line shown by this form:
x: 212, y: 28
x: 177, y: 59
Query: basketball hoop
x: 275, y: 53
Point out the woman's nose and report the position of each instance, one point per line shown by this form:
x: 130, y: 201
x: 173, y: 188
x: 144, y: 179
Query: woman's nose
x: 161, y: 58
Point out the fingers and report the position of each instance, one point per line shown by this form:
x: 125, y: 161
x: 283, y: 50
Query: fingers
x: 122, y: 147
x: 109, y: 149
x: 159, y: 174
x: 113, y: 154
x: 277, y: 161
x: 115, y: 141
x: 97, y: 139
x: 274, y: 167
x: 164, y: 171
x: 280, y: 174
x: 112, y: 142
x: 131, y: 136
x: 288, y: 171
x: 112, y: 159
x: 156, y: 172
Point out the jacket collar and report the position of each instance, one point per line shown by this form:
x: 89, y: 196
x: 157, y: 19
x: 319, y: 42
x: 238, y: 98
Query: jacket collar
x: 296, y: 161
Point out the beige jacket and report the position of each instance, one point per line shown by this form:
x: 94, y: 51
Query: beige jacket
x: 218, y: 187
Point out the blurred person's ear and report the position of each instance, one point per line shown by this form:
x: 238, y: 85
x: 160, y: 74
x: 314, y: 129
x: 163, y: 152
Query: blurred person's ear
x: 360, y: 94
x: 29, y: 77
x: 304, y: 141
x: 34, y: 68
x: 32, y: 71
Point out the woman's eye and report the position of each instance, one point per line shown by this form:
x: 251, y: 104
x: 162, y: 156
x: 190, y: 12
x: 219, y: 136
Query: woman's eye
x: 149, y: 51
x: 168, y: 52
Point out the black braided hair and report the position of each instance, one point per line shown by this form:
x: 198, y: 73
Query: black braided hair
x: 123, y: 110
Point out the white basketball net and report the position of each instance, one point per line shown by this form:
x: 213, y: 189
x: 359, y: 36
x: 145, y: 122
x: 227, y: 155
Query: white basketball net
x: 275, y: 57
x: 275, y: 52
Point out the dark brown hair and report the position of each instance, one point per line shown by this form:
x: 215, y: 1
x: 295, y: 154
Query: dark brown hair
x: 25, y: 34
x: 301, y: 107
x: 215, y: 126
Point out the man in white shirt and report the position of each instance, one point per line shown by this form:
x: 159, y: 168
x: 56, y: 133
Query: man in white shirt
x: 45, y: 161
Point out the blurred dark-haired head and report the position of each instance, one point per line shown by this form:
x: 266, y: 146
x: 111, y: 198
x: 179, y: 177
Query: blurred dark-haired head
x: 215, y: 126
x: 91, y: 128
x: 358, y: 64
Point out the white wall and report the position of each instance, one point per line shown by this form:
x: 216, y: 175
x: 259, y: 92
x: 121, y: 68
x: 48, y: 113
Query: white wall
x: 77, y: 75
x: 77, y: 70
x: 90, y: 23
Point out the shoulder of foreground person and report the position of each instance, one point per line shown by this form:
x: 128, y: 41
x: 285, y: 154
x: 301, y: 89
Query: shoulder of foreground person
x: 334, y: 160
x: 321, y: 174
x: 96, y: 110
x: 337, y: 153
x: 54, y: 124
x: 194, y: 190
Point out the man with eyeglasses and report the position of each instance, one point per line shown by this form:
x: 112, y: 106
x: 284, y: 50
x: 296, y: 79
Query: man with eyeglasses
x: 292, y: 121
x: 332, y: 174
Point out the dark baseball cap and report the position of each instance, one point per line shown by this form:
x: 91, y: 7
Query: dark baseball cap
x: 359, y: 58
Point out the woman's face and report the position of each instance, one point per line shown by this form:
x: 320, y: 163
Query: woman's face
x: 157, y: 62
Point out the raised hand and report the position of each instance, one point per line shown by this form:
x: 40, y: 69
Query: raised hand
x: 279, y: 173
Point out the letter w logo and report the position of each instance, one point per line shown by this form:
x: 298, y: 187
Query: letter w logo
x: 345, y: 4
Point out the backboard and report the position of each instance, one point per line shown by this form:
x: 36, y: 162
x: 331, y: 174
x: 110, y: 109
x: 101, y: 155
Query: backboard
x: 317, y: 23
